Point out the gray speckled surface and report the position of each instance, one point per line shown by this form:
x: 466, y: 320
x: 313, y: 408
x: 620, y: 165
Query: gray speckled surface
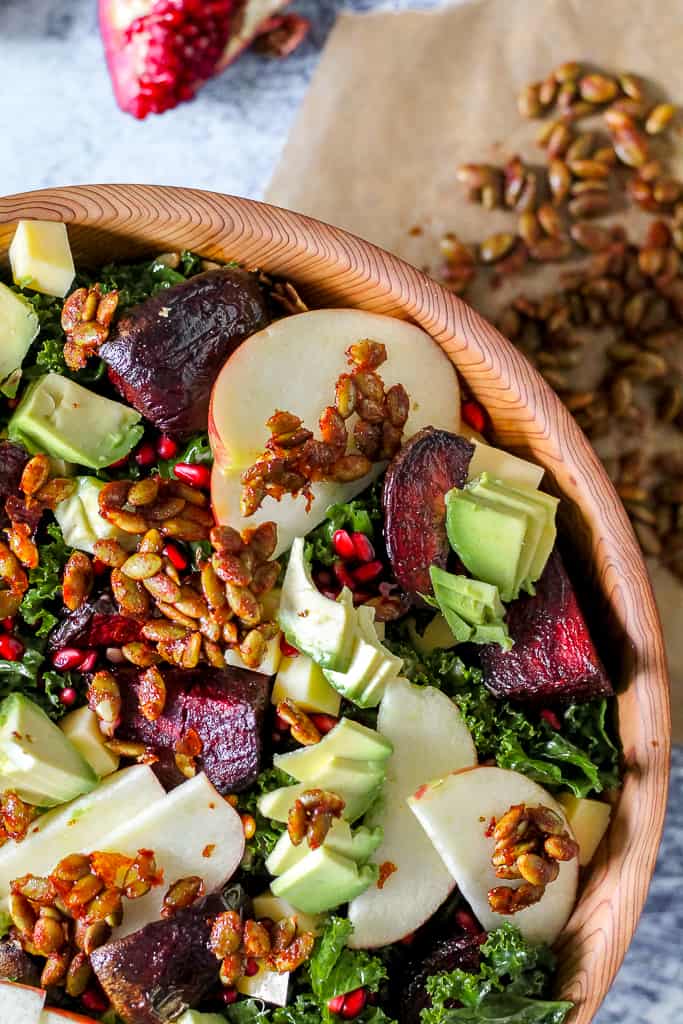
x: 60, y: 126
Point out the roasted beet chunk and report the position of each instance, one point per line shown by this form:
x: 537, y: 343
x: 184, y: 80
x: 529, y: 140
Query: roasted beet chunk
x: 225, y: 707
x: 16, y: 965
x: 155, y: 974
x: 165, y: 354
x: 553, y: 657
x: 415, y: 485
x: 459, y: 952
x: 13, y: 458
x: 96, y: 623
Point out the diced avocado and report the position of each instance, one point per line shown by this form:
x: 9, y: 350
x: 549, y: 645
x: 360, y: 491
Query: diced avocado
x: 373, y: 632
x: 301, y: 680
x: 506, y: 497
x: 40, y: 257
x: 65, y: 420
x: 316, y: 625
x: 19, y: 327
x: 502, y: 465
x: 37, y: 761
x: 488, y: 539
x: 492, y: 633
x: 323, y: 880
x: 81, y: 728
x: 481, y: 598
x: 80, y: 520
x: 549, y: 533
x: 377, y: 687
x: 195, y: 1017
x: 365, y: 660
x: 348, y: 739
x: 359, y: 845
x: 277, y: 804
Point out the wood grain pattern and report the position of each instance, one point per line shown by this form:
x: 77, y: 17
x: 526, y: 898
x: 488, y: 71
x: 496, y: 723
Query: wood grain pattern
x: 335, y: 268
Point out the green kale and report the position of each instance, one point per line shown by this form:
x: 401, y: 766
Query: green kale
x: 510, y: 987
x: 581, y: 756
x: 362, y: 515
x: 136, y: 282
x: 334, y: 969
x: 259, y: 848
x: 45, y: 584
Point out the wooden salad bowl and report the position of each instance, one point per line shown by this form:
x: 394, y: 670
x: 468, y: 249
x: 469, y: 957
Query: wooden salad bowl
x: 120, y: 222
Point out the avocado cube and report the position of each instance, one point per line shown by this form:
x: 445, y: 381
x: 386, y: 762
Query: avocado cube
x: 19, y: 327
x: 36, y: 758
x: 506, y: 497
x: 67, y: 421
x: 323, y: 880
x: 488, y: 539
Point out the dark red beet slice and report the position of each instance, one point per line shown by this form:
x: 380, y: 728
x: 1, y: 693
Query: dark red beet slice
x: 459, y: 952
x: 415, y: 485
x: 164, y: 355
x: 553, y: 657
x: 155, y: 974
x: 13, y: 458
x: 96, y: 623
x: 225, y: 707
x: 16, y: 965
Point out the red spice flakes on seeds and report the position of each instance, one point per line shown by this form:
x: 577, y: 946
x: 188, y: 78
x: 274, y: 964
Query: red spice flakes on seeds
x: 208, y: 850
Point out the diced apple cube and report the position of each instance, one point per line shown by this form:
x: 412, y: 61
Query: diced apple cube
x: 588, y: 820
x: 40, y: 256
x: 19, y: 326
x: 301, y: 680
x: 82, y: 728
x: 503, y: 466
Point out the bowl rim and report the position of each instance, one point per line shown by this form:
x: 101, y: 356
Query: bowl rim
x: 528, y: 418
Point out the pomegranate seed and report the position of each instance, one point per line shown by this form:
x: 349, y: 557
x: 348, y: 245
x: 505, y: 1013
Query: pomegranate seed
x: 8, y: 624
x: 362, y: 547
x: 10, y: 648
x: 367, y: 572
x: 230, y: 996
x: 89, y: 662
x: 146, y: 455
x: 343, y: 544
x: 251, y: 967
x: 68, y: 696
x: 67, y: 658
x: 354, y: 1003
x: 336, y: 1005
x: 551, y: 718
x: 466, y: 920
x: 99, y: 567
x: 166, y: 447
x: 286, y: 648
x: 324, y: 723
x: 193, y: 476
x: 120, y: 463
x: 473, y: 415
x: 175, y: 556
x: 93, y: 1000
x: 343, y: 575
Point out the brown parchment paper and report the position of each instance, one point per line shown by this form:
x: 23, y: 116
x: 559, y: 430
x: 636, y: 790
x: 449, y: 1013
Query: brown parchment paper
x: 401, y: 98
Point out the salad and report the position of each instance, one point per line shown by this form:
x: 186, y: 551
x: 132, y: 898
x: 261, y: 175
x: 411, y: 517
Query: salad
x: 300, y: 718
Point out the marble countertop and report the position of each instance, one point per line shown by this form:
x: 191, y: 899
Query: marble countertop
x: 60, y: 126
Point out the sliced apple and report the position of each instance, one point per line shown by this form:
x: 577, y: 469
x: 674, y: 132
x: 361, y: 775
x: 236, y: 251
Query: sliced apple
x: 80, y: 826
x: 265, y: 374
x: 429, y: 738
x: 455, y: 812
x: 289, y: 513
x: 20, y: 1004
x: 193, y: 831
